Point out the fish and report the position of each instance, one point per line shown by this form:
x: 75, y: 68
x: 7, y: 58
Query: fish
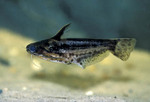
x: 81, y: 51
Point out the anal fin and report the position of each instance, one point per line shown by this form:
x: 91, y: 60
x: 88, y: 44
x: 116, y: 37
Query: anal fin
x: 89, y: 59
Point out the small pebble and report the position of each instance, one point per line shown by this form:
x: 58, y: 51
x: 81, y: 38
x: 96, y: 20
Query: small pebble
x: 5, y: 89
x: 24, y: 88
x: 1, y: 91
x: 89, y: 93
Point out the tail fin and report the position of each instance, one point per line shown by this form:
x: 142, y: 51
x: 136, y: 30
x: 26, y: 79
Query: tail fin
x: 124, y: 47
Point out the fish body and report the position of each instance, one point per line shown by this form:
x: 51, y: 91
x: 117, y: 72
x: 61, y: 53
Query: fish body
x: 82, y: 52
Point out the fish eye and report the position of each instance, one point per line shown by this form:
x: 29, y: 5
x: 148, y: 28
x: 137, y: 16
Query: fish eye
x: 32, y: 48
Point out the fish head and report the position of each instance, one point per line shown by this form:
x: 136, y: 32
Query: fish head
x: 38, y: 48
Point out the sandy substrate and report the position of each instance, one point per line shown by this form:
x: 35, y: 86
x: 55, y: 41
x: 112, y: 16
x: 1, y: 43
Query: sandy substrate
x: 23, y: 79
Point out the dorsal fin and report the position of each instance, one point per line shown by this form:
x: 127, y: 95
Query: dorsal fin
x: 60, y: 33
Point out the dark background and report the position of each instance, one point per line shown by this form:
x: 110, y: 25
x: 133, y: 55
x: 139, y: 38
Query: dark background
x: 41, y: 19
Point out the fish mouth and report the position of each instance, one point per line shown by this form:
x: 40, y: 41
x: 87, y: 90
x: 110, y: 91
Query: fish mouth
x: 28, y: 50
x: 35, y: 54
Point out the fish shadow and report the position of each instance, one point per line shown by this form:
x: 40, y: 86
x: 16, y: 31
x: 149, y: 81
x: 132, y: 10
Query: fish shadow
x: 81, y: 82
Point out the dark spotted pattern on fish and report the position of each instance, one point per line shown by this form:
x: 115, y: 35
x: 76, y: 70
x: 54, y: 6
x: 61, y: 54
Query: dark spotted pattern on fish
x: 82, y: 52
